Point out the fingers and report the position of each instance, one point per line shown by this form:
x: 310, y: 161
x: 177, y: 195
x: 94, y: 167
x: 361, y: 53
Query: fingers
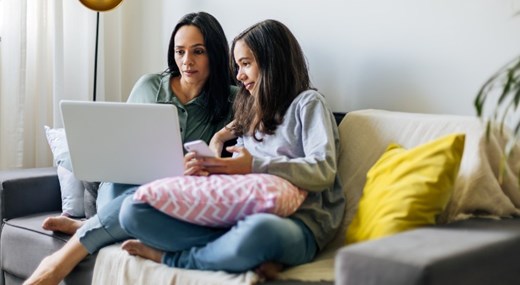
x: 190, y: 171
x: 240, y: 164
x: 204, y: 166
x: 193, y: 165
x: 233, y: 149
x: 189, y: 156
x: 196, y: 170
x: 201, y: 173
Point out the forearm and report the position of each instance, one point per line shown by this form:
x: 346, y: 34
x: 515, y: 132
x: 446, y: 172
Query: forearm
x: 226, y: 133
x: 309, y: 173
x: 219, y: 138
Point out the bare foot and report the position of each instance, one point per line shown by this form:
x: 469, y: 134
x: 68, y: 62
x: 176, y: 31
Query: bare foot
x: 135, y: 247
x: 46, y: 273
x: 62, y: 224
x: 55, y: 267
x: 269, y: 270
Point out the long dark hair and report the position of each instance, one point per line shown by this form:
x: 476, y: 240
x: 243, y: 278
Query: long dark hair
x: 283, y: 75
x: 216, y: 89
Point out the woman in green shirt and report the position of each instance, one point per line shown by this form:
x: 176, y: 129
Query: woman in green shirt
x: 198, y: 83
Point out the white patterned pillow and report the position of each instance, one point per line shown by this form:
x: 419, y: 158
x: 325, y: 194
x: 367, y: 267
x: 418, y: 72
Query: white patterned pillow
x: 72, y: 190
x: 221, y: 200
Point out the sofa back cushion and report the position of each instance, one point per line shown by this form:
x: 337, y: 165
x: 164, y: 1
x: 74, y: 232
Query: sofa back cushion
x: 72, y: 190
x: 365, y: 135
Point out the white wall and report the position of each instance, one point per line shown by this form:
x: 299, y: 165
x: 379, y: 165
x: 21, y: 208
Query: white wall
x: 406, y: 55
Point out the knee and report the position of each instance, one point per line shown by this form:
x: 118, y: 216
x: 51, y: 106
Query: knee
x: 261, y: 231
x: 129, y: 219
x: 264, y: 223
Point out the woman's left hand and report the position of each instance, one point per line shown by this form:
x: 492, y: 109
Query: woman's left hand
x: 240, y: 164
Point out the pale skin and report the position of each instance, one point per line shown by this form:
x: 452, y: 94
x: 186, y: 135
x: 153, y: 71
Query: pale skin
x: 248, y: 73
x: 193, y: 63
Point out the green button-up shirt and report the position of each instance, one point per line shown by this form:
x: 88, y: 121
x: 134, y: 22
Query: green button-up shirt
x: 194, y: 118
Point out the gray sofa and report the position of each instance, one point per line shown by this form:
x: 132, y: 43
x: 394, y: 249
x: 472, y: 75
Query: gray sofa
x: 27, y: 197
x: 473, y: 251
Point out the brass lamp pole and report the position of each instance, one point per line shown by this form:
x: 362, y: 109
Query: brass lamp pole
x: 99, y: 6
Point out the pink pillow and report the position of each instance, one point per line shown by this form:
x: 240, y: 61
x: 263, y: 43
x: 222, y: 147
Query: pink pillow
x: 221, y: 200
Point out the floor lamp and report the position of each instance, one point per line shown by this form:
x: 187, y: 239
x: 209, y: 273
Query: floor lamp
x: 98, y: 6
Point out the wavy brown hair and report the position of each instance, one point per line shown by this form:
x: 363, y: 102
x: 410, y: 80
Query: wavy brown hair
x: 283, y: 75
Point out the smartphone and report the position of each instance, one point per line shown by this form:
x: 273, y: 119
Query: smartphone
x: 200, y: 147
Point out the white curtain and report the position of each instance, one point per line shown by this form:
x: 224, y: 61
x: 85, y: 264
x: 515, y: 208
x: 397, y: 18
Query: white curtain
x: 46, y: 55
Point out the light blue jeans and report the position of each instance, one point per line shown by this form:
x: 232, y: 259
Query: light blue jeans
x: 104, y: 228
x: 256, y: 239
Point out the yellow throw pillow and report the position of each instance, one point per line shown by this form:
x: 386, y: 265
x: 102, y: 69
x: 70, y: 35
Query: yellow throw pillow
x: 406, y: 189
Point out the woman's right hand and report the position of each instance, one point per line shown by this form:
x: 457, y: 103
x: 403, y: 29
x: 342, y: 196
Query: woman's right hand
x: 193, y: 165
x: 241, y: 163
x: 204, y: 166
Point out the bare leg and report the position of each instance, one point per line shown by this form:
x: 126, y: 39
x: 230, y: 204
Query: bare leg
x: 62, y: 224
x: 135, y: 247
x: 55, y: 267
x: 269, y: 270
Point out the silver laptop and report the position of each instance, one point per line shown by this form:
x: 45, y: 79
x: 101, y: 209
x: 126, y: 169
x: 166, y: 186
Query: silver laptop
x: 123, y: 142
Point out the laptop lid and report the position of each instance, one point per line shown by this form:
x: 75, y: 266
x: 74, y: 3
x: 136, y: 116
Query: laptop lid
x: 123, y: 142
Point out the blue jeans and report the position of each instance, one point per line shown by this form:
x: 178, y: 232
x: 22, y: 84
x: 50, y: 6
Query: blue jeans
x: 256, y: 239
x: 104, y: 228
x: 109, y: 191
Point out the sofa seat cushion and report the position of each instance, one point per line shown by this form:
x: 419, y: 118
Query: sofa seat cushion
x: 24, y: 243
x: 475, y: 251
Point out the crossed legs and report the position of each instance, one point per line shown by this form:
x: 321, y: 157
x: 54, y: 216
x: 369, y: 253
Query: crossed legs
x: 260, y: 241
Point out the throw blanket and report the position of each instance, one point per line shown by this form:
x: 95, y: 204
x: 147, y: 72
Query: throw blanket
x: 116, y: 267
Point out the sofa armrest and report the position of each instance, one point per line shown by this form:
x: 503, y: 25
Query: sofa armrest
x: 28, y: 191
x: 475, y: 251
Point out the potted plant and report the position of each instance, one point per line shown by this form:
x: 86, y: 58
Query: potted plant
x: 498, y: 102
